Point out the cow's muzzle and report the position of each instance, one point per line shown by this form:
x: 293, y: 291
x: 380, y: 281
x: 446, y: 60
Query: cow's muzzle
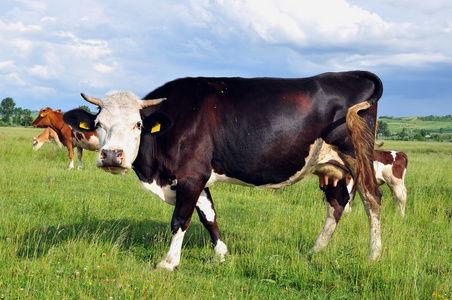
x: 111, y: 160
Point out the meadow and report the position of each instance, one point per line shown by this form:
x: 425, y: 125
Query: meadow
x: 396, y: 124
x: 92, y: 235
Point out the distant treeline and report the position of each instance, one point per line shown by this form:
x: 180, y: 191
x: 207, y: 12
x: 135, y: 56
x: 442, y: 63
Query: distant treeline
x: 447, y: 118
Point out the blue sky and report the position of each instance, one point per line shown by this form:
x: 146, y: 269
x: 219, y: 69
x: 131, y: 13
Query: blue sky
x: 53, y: 50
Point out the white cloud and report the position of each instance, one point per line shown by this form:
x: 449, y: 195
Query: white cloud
x: 19, y: 26
x: 48, y: 19
x: 6, y: 66
x: 62, y: 47
x: 14, y: 79
x: 86, y: 48
x: 103, y: 68
x: 39, y: 6
x: 301, y: 23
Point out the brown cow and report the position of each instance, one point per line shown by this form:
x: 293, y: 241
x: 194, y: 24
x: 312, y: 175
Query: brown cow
x: 69, y: 138
x: 48, y: 135
x: 390, y: 168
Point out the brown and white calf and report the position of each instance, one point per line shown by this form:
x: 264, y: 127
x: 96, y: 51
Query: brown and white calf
x: 390, y: 168
x: 69, y: 138
x: 48, y: 135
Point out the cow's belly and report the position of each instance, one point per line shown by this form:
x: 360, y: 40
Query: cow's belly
x: 317, y: 162
x: 92, y: 144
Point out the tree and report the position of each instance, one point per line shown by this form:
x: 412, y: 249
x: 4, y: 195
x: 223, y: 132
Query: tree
x: 85, y: 108
x: 18, y: 113
x: 383, y: 128
x: 424, y: 132
x: 26, y: 117
x: 7, y: 109
x: 404, y: 133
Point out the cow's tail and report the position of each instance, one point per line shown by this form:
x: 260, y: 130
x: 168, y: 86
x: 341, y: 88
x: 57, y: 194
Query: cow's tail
x: 363, y: 137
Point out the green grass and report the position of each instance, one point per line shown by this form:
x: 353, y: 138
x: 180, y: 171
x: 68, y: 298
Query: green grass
x: 413, y: 123
x: 91, y: 235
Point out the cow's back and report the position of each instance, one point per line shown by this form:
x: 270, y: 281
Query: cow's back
x: 259, y: 130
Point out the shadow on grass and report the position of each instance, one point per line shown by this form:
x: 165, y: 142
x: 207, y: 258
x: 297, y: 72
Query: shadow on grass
x: 143, y: 239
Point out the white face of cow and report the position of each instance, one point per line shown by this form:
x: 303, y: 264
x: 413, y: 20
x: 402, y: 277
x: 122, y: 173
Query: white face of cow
x: 119, y: 127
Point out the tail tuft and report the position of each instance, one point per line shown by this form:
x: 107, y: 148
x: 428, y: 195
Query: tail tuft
x: 363, y: 139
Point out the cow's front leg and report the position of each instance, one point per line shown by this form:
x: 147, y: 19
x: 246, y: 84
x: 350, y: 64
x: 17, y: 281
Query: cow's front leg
x: 207, y: 215
x: 70, y: 150
x: 187, y: 194
x: 172, y: 257
x: 336, y: 198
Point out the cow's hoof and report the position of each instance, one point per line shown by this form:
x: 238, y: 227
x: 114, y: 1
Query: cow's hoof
x: 164, y: 265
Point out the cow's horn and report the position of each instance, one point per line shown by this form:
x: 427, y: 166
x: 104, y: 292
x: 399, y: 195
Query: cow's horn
x: 92, y: 100
x: 147, y: 103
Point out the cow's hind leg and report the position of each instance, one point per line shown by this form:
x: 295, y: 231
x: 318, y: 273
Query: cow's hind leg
x: 79, y: 156
x: 372, y: 205
x: 336, y: 198
x: 208, y: 217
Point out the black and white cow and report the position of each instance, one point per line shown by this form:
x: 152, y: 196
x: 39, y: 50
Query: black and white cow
x: 262, y: 132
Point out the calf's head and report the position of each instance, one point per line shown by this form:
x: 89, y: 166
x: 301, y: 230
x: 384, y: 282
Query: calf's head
x: 119, y: 125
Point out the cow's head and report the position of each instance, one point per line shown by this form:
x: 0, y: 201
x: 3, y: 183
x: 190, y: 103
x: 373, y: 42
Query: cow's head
x: 119, y: 125
x: 42, y: 120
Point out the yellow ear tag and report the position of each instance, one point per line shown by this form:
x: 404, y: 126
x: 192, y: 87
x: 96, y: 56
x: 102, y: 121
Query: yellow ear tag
x: 41, y: 115
x: 156, y: 127
x: 83, y: 125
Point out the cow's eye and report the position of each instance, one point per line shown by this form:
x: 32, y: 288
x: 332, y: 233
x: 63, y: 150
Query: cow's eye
x: 138, y: 126
x: 97, y: 124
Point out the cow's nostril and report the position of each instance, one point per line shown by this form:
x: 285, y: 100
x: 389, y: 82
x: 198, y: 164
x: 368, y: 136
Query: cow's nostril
x: 112, y: 157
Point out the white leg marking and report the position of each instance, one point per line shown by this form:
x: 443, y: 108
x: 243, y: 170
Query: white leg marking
x: 71, y: 165
x: 205, y: 205
x: 375, y: 247
x: 172, y: 258
x: 220, y: 251
x: 348, y: 206
x: 327, y: 231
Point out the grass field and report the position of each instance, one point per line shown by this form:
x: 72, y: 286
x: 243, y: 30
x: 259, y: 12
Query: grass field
x: 413, y: 123
x: 91, y: 235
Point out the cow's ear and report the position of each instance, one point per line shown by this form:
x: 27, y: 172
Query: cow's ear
x: 157, y: 123
x: 80, y: 119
